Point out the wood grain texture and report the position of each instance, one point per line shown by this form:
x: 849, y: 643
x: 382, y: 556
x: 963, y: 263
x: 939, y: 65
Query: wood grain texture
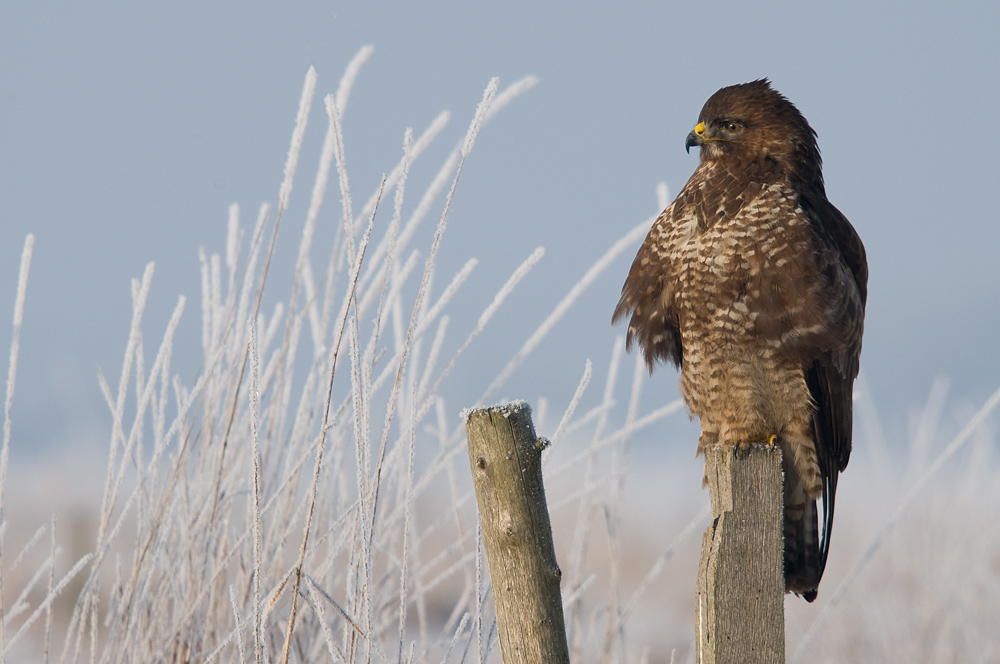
x: 741, y: 588
x: 505, y: 457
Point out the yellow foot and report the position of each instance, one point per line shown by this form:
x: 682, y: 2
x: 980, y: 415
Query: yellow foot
x: 772, y: 439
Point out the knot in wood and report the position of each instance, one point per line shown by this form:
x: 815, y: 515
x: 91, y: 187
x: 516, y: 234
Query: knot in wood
x: 507, y: 524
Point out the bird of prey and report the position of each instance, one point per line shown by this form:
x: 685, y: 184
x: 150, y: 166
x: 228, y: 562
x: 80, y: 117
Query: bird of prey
x: 754, y: 285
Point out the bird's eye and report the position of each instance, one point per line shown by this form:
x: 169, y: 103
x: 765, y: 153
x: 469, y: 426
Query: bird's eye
x: 732, y: 126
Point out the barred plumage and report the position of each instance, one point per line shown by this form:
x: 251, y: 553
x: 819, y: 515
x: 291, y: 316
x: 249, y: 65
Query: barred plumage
x: 754, y: 285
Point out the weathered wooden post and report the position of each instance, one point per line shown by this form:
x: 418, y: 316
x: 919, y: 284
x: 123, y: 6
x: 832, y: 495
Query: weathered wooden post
x: 506, y: 460
x: 741, y: 586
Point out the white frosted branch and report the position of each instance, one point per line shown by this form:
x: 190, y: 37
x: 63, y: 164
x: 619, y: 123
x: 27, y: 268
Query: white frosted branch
x: 480, y: 117
x: 350, y: 74
x: 449, y: 292
x: 49, y: 598
x: 508, y: 287
x: 15, y: 346
x: 510, y: 93
x: 432, y: 131
x: 574, y: 294
x: 301, y: 120
x: 662, y: 196
x: 581, y: 386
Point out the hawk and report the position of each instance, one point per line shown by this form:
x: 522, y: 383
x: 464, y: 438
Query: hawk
x: 754, y: 285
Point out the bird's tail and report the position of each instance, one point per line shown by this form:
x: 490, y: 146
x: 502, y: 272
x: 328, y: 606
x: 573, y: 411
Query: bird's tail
x: 803, y: 561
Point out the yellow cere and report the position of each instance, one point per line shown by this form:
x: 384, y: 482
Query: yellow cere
x: 700, y: 128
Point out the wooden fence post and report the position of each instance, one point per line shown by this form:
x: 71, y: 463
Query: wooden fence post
x: 506, y: 460
x: 741, y: 585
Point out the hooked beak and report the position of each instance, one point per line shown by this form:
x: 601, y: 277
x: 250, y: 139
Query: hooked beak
x: 695, y: 138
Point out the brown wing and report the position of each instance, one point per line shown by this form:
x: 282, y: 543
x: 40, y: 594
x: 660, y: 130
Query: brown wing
x: 647, y: 296
x: 831, y: 376
x: 648, y: 293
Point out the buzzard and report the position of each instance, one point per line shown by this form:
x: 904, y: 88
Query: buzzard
x: 754, y: 285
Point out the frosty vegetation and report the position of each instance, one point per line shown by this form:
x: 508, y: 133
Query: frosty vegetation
x: 306, y: 496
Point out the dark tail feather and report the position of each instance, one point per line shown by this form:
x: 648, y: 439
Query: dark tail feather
x: 804, y: 557
x: 832, y: 424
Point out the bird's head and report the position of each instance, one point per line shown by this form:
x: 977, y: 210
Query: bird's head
x: 752, y: 123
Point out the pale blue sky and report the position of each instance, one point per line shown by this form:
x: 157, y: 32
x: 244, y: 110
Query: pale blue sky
x: 127, y: 130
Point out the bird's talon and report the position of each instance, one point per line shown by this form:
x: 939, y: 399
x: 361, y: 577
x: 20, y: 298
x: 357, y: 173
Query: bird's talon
x: 772, y: 439
x: 741, y: 449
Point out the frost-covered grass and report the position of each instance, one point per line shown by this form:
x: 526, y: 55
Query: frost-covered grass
x: 305, y: 496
